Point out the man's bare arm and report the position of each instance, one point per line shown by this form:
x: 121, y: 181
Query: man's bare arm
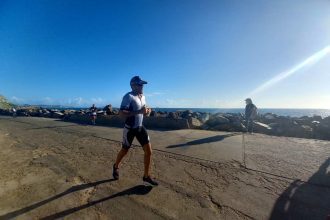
x: 126, y: 113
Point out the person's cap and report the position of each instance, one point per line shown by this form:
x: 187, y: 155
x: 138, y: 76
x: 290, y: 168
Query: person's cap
x: 136, y: 80
x: 248, y: 99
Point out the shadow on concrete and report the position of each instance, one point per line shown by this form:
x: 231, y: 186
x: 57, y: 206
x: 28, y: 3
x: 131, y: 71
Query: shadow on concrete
x: 306, y: 200
x: 136, y: 190
x: 83, y: 123
x: 52, y: 127
x: 16, y: 213
x: 120, y: 125
x: 204, y: 140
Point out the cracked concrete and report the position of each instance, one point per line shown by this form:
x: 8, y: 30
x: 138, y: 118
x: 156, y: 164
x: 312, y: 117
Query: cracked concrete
x: 51, y: 169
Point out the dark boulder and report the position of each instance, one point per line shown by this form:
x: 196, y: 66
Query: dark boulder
x: 173, y: 115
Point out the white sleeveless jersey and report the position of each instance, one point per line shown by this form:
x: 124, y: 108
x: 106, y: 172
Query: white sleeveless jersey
x: 132, y: 102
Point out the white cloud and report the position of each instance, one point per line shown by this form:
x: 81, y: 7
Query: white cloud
x: 79, y: 101
x: 73, y: 102
x: 98, y: 100
x: 48, y: 101
x: 17, y: 100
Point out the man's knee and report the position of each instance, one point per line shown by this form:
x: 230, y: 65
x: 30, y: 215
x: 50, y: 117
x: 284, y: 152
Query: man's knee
x: 124, y: 150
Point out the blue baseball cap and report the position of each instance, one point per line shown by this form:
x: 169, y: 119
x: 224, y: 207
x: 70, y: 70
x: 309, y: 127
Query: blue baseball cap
x: 136, y: 80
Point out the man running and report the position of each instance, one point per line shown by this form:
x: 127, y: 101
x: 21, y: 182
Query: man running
x: 133, y: 107
x: 93, y: 113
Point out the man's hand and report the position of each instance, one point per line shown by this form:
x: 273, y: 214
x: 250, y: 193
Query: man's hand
x: 145, y: 110
x: 148, y: 111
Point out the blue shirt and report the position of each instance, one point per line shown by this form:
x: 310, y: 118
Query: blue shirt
x: 132, y: 102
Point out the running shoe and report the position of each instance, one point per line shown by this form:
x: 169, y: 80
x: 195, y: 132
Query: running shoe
x: 115, y: 172
x: 150, y: 181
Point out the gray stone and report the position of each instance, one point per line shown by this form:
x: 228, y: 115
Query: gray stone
x: 317, y: 118
x: 269, y: 116
x: 315, y: 123
x: 153, y: 114
x: 214, y: 121
x: 194, y: 122
x: 100, y: 112
x: 108, y: 109
x: 204, y: 117
x: 307, y: 128
x: 186, y: 114
x: 57, y: 114
x: 173, y: 115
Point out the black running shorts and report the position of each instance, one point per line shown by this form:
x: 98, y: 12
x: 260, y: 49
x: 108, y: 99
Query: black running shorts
x: 140, y: 133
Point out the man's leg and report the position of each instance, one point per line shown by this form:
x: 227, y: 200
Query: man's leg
x: 128, y: 136
x: 147, y: 159
x: 249, y: 124
x: 120, y: 156
x: 144, y: 140
x: 115, y: 168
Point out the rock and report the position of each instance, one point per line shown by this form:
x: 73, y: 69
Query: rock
x: 301, y: 131
x: 214, y: 121
x: 270, y: 116
x: 317, y: 118
x: 34, y: 113
x: 100, y: 112
x: 205, y: 127
x: 326, y: 120
x: 304, y: 118
x: 315, y: 123
x: 196, y: 115
x: 153, y: 114
x: 238, y: 126
x: 261, y: 127
x: 322, y: 132
x: 22, y: 112
x: 173, y: 115
x: 307, y: 128
x: 204, y: 117
x: 273, y: 125
x: 80, y: 112
x: 57, y: 114
x: 108, y: 109
x: 67, y: 112
x: 194, y: 123
x: 186, y: 114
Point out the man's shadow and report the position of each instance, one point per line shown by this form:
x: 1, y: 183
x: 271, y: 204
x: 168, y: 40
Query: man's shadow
x: 305, y: 200
x: 137, y: 190
x: 204, y: 140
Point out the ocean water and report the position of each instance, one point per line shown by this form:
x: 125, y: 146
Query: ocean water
x: 278, y: 111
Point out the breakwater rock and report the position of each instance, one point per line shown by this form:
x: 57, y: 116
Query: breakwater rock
x: 314, y: 127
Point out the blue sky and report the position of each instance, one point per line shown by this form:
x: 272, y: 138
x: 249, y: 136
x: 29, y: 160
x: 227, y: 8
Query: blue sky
x: 193, y: 53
